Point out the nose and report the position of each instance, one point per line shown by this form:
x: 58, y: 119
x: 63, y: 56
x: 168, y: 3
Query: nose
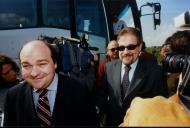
x: 126, y: 50
x: 34, y: 72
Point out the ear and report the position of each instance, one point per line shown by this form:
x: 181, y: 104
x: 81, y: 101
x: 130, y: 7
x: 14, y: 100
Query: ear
x: 140, y: 47
x: 55, y: 65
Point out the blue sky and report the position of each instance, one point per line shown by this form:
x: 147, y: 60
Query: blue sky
x: 169, y: 10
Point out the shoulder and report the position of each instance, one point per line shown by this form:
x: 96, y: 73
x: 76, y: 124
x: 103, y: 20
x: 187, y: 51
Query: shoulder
x: 146, y: 103
x: 68, y: 78
x: 65, y: 79
x: 103, y: 62
x: 156, y: 111
x: 113, y: 63
x: 148, y: 56
x: 70, y: 84
x: 149, y: 65
x: 148, y: 109
x: 18, y: 91
x: 19, y: 87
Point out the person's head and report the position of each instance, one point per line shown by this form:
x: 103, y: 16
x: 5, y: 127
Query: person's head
x: 8, y: 69
x: 143, y: 46
x: 38, y: 63
x: 112, y: 51
x: 180, y: 42
x: 130, y: 44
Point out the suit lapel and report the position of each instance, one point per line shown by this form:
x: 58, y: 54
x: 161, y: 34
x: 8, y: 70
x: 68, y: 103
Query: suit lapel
x: 58, y: 105
x: 29, y: 107
x: 138, y: 76
x: 117, y: 79
x: 62, y: 101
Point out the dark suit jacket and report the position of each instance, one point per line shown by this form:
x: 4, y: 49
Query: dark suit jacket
x: 70, y: 107
x: 148, y: 81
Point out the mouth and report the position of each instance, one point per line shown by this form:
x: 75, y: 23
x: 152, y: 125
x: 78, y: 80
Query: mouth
x: 37, y: 80
x: 127, y: 56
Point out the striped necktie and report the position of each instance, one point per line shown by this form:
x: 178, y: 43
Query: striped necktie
x: 43, y: 109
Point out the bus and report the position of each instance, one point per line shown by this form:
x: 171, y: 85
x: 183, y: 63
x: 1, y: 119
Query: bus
x: 25, y: 20
x: 21, y: 21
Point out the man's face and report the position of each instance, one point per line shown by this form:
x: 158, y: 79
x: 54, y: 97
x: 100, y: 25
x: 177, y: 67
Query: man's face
x: 129, y: 48
x: 112, y: 50
x: 8, y: 74
x: 37, y: 66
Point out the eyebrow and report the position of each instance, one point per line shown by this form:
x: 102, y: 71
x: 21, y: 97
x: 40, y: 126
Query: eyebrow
x: 38, y: 61
x: 42, y: 60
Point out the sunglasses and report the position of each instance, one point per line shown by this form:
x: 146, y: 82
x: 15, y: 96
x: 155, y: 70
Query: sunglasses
x: 129, y: 47
x: 114, y: 49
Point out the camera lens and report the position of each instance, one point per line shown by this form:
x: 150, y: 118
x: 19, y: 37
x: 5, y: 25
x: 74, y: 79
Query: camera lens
x: 175, y: 63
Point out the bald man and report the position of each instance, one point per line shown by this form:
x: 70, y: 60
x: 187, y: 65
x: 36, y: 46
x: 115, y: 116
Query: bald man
x: 66, y: 99
x: 111, y: 54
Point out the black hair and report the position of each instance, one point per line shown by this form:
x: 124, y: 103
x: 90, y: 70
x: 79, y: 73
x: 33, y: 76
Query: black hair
x: 7, y: 60
x: 180, y: 42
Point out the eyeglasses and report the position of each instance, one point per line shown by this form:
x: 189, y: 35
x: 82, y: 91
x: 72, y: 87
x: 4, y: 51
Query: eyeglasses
x: 114, y: 49
x: 129, y: 47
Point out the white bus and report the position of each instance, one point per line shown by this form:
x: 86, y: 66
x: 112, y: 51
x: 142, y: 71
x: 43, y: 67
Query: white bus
x: 23, y: 20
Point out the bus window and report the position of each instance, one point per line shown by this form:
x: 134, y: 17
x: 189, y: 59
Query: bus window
x: 56, y: 13
x: 123, y: 20
x: 91, y: 19
x: 17, y: 13
x: 124, y: 11
x: 126, y: 16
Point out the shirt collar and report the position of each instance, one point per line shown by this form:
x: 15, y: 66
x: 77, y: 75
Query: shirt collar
x: 133, y: 65
x: 52, y: 86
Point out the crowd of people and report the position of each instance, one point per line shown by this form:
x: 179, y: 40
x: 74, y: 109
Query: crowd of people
x: 129, y: 89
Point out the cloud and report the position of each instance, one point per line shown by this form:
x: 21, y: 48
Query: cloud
x: 158, y: 37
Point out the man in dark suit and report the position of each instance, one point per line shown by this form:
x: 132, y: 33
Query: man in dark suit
x: 66, y: 102
x: 144, y: 79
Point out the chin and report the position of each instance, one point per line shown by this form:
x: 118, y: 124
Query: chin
x: 126, y: 62
x: 37, y: 85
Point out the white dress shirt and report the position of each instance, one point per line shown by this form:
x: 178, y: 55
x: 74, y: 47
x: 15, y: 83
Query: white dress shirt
x: 131, y: 71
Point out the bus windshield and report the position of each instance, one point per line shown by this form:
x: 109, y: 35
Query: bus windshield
x: 89, y: 17
x: 53, y: 13
x: 33, y: 18
x: 17, y: 14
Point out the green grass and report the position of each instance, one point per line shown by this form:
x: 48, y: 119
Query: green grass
x: 155, y: 51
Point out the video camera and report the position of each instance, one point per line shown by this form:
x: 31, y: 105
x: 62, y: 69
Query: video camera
x: 175, y: 63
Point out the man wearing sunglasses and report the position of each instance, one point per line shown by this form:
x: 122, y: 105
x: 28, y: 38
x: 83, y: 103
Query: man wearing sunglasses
x: 144, y: 79
x: 111, y: 54
x: 166, y: 112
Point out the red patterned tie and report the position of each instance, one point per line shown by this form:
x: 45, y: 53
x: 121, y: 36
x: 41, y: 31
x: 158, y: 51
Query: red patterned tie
x: 43, y: 109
